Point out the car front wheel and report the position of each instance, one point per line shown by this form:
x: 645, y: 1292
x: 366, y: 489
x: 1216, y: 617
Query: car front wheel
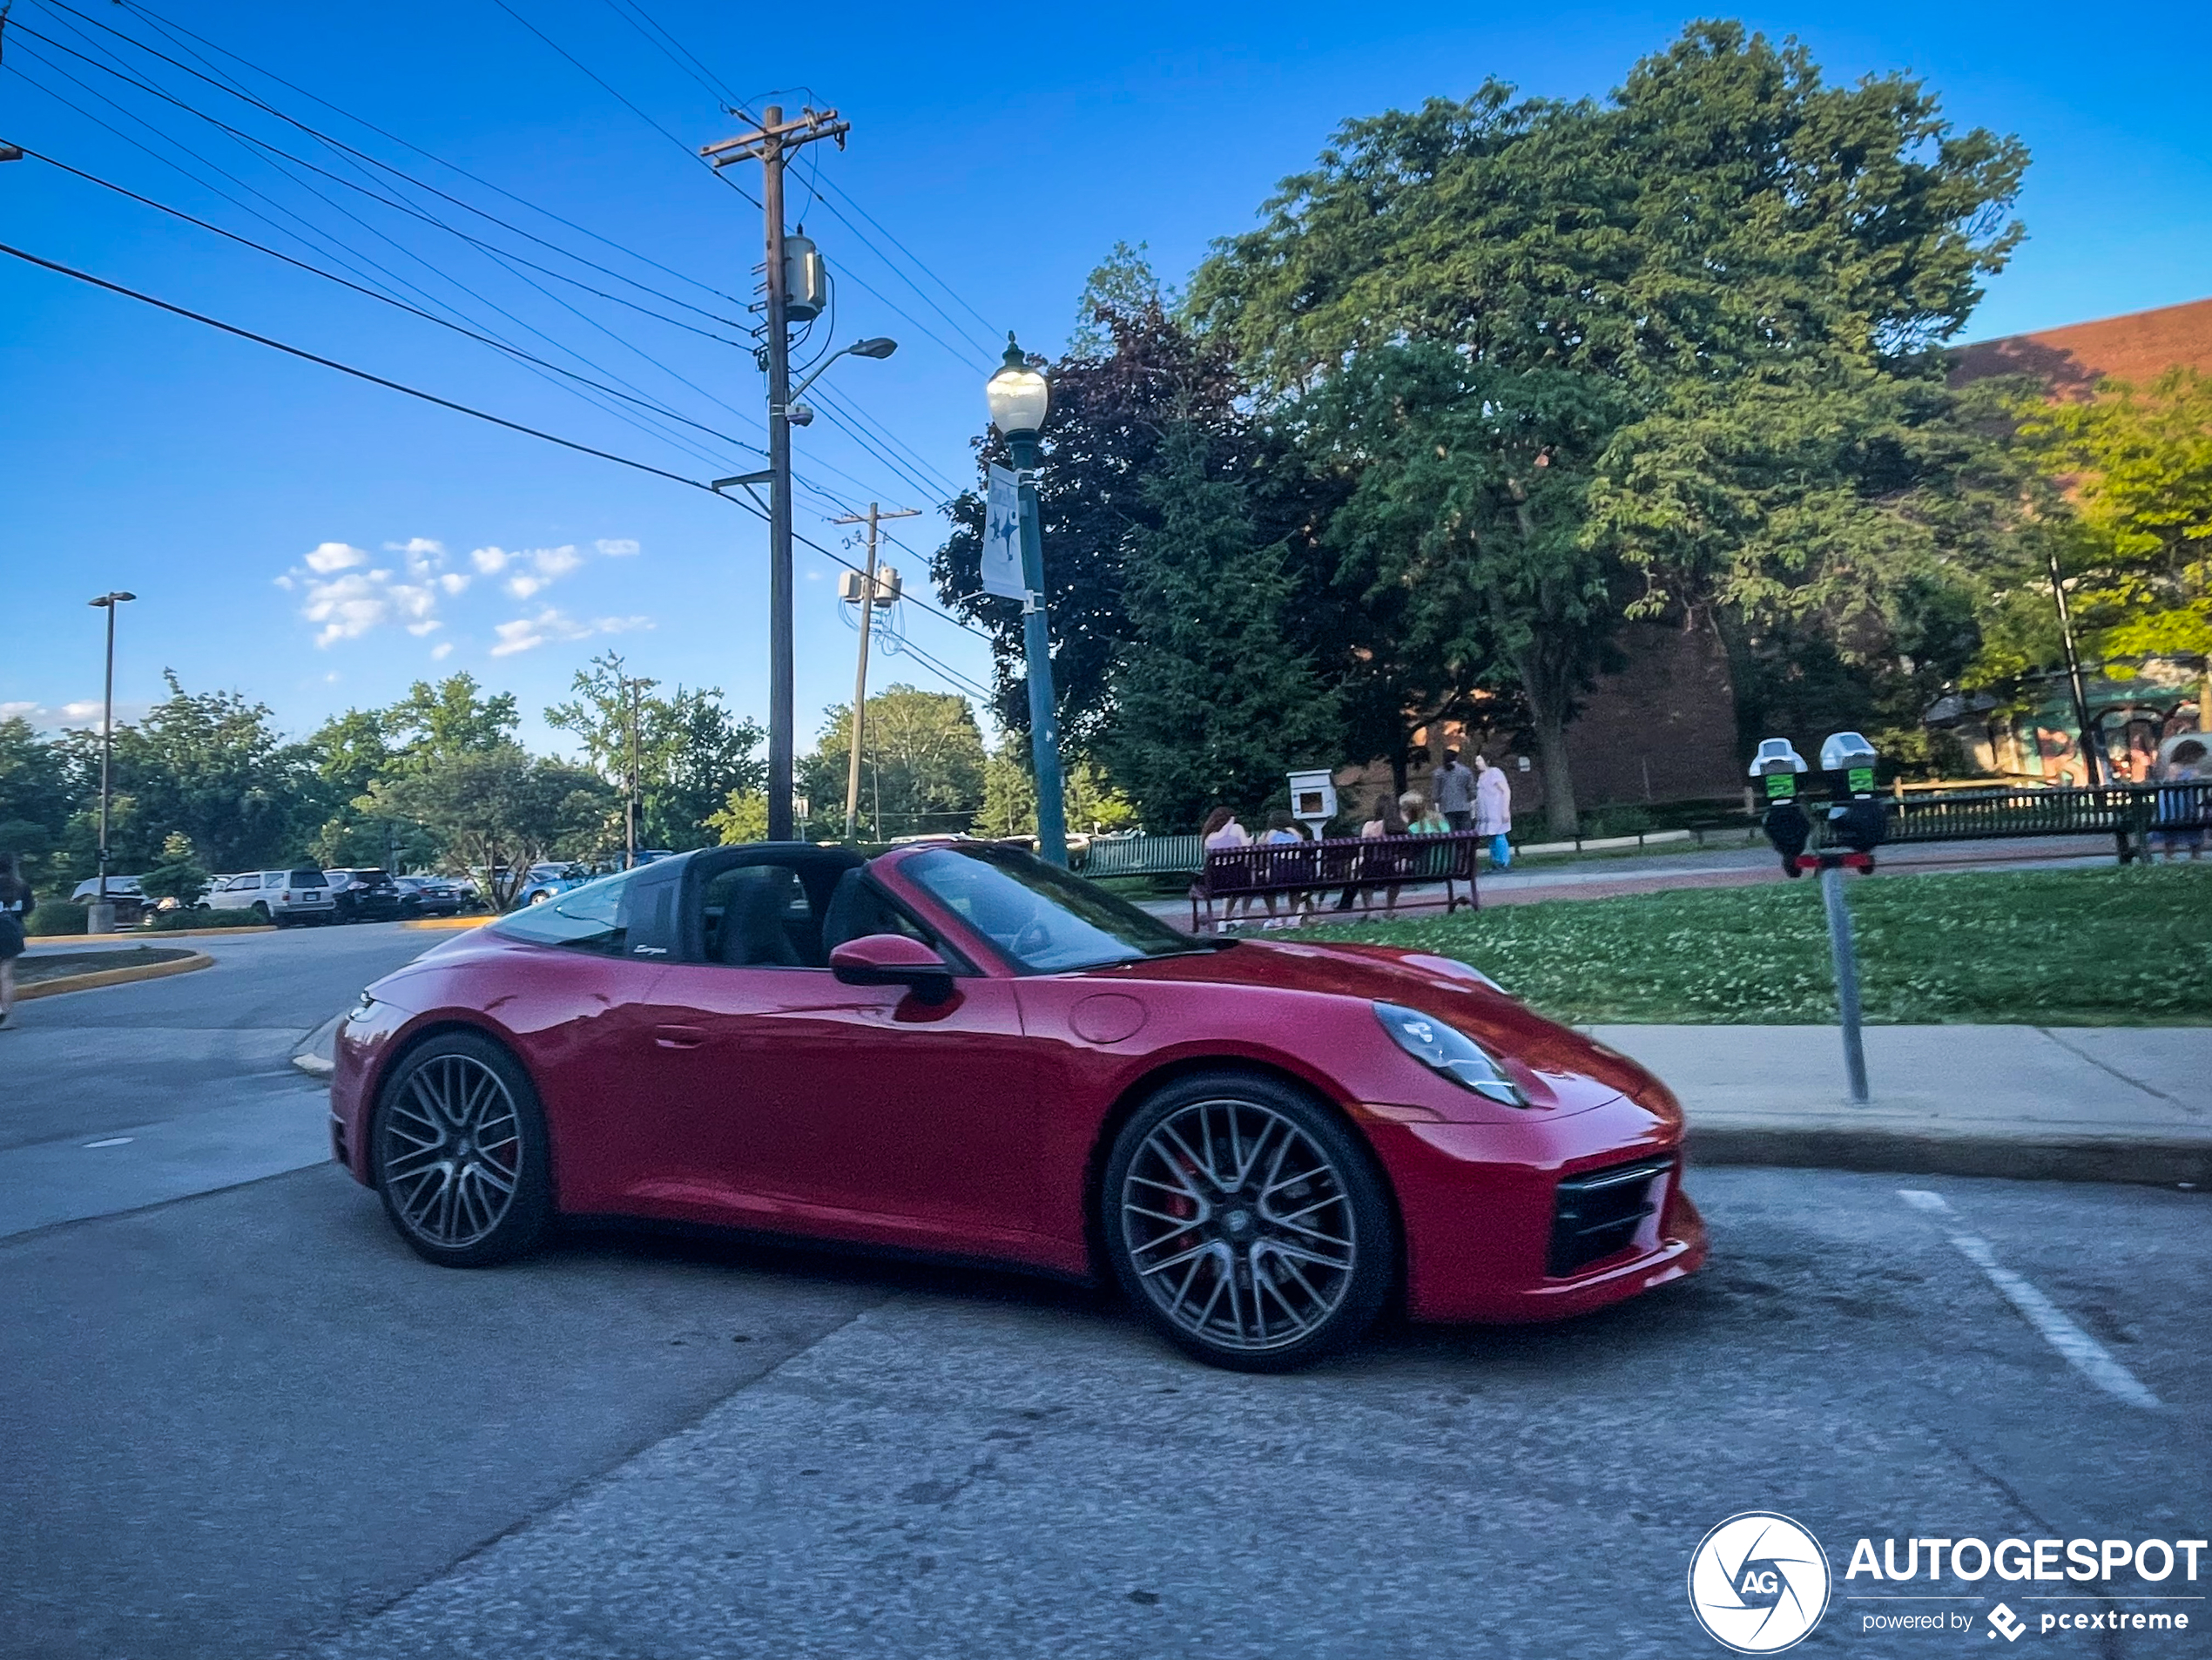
x: 1247, y: 1223
x: 459, y: 1153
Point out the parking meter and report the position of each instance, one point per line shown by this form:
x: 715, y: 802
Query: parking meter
x: 1776, y: 765
x: 1855, y: 815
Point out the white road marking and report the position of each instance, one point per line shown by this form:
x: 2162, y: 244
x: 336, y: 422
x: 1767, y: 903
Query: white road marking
x: 2082, y: 1352
x: 112, y: 1141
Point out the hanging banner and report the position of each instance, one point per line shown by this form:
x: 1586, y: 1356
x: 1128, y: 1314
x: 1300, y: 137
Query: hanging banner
x: 1002, y: 536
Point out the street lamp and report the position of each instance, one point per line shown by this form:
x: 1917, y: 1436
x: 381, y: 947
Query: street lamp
x: 1019, y: 398
x: 101, y: 919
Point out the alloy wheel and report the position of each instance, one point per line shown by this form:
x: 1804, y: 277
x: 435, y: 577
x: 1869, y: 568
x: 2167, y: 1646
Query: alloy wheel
x: 1238, y: 1225
x: 452, y: 1150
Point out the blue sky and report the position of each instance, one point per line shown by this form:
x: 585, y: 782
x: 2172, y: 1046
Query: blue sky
x: 318, y: 543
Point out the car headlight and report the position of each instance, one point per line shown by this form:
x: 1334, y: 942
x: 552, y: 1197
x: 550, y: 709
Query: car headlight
x: 1450, y: 1050
x: 362, y: 1008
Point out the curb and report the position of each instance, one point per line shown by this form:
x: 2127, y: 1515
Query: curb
x: 307, y: 1058
x: 2151, y: 1160
x: 444, y: 923
x: 55, y: 987
x: 148, y: 934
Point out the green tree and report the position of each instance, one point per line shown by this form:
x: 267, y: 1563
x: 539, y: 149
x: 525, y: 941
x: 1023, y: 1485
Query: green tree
x: 742, y: 818
x: 38, y: 797
x: 1213, y: 700
x: 1726, y: 233
x: 691, y: 754
x: 180, y: 875
x: 213, y: 767
x: 922, y: 767
x: 436, y: 723
x: 1091, y: 802
x: 497, y: 810
x: 2137, y: 549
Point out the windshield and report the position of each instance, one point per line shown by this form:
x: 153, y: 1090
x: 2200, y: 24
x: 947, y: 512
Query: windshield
x: 1042, y: 920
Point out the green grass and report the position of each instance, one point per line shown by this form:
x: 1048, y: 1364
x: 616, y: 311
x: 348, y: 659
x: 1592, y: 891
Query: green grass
x: 2116, y: 946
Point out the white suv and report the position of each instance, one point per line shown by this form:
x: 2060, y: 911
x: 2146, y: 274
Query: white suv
x: 281, y: 896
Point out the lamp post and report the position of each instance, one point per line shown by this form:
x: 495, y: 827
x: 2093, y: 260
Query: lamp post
x: 1018, y: 398
x: 101, y: 918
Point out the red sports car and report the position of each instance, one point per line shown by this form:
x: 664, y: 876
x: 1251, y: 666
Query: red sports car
x: 957, y: 1050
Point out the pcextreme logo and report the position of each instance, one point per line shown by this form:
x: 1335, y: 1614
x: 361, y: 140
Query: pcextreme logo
x: 1758, y: 1582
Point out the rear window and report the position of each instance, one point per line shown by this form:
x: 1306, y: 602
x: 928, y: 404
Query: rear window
x: 308, y: 879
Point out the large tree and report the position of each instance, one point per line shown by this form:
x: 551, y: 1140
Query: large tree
x: 1214, y: 698
x: 1726, y: 233
x: 922, y: 767
x: 692, y: 754
x: 497, y: 810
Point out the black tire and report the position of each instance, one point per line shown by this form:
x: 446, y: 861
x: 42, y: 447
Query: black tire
x: 262, y: 910
x: 456, y: 1220
x: 1185, y: 1184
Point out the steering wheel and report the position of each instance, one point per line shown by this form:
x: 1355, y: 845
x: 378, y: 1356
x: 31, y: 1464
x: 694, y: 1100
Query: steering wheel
x: 1030, y: 938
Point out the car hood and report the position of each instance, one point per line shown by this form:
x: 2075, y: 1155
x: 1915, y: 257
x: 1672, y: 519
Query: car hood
x: 1576, y: 1071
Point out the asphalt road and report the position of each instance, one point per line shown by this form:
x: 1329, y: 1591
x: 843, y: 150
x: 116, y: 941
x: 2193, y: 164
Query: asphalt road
x: 249, y: 1423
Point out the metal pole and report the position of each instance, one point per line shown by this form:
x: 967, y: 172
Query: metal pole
x: 107, y: 747
x: 860, y: 686
x: 1845, y: 958
x: 781, y: 719
x: 1037, y: 647
x: 629, y: 798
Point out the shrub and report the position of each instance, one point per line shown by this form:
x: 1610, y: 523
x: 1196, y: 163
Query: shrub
x: 170, y: 921
x: 56, y: 916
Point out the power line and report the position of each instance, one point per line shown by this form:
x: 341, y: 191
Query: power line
x: 173, y: 30
x: 348, y: 369
x: 617, y: 96
x: 232, y: 90
x: 401, y: 305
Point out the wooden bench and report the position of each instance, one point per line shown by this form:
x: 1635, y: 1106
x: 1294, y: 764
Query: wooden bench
x: 1260, y: 870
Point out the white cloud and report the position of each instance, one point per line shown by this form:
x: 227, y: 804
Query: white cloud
x: 328, y: 556
x: 10, y: 711
x: 88, y: 709
x: 454, y: 581
x: 347, y: 607
x: 524, y: 586
x: 84, y: 712
x: 441, y: 650
x: 424, y: 557
x: 556, y: 562
x: 490, y: 561
x: 526, y: 633
x: 621, y: 547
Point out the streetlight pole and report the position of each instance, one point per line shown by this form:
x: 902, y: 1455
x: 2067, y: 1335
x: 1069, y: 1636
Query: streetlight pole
x: 873, y: 518
x: 2092, y: 761
x: 1019, y: 398
x: 102, y: 918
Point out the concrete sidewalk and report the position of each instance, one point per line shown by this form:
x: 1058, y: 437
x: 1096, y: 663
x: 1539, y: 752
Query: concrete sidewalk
x: 2097, y: 1104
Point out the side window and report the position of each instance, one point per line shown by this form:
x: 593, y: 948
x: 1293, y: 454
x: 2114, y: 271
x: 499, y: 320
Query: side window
x: 760, y: 916
x: 589, y: 918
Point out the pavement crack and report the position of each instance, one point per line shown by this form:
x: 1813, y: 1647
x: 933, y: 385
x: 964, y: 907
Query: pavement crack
x: 2106, y: 1067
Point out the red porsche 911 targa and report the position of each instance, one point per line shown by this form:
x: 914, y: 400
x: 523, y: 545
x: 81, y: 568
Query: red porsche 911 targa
x: 956, y: 1049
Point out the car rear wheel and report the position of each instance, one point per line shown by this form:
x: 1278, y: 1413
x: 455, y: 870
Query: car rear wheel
x: 1247, y: 1224
x: 260, y: 910
x: 459, y: 1153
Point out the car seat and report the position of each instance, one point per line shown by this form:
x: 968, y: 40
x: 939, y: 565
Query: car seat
x: 752, y: 921
x: 857, y: 910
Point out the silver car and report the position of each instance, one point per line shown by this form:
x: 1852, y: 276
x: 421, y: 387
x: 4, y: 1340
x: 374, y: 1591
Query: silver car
x: 278, y: 896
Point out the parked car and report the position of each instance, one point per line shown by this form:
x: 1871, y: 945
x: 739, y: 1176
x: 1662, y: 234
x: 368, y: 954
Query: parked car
x: 278, y: 896
x: 428, y: 896
x: 549, y: 882
x: 959, y: 1050
x: 130, y: 900
x: 365, y: 896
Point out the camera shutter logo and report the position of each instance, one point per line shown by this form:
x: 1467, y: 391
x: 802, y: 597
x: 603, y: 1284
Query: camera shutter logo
x: 1758, y: 1582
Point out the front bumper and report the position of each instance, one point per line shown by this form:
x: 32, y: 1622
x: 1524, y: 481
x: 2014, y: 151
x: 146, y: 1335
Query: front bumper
x: 1481, y: 1206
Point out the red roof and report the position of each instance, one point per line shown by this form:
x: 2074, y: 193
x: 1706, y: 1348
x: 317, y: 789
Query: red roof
x: 2139, y: 348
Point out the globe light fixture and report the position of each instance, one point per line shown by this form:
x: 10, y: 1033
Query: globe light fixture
x: 1018, y: 397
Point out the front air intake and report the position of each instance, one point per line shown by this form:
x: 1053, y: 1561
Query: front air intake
x: 1598, y: 1212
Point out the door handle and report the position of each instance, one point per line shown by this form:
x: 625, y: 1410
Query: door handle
x: 678, y: 1036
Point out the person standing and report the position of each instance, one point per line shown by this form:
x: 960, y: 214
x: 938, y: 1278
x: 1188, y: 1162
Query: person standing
x: 1493, y: 810
x: 1455, y: 787
x: 15, y: 906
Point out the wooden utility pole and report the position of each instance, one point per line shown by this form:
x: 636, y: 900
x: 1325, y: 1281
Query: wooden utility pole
x: 772, y: 144
x: 871, y: 518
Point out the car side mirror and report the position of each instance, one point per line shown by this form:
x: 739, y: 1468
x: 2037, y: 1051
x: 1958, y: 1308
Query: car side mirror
x: 893, y: 959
